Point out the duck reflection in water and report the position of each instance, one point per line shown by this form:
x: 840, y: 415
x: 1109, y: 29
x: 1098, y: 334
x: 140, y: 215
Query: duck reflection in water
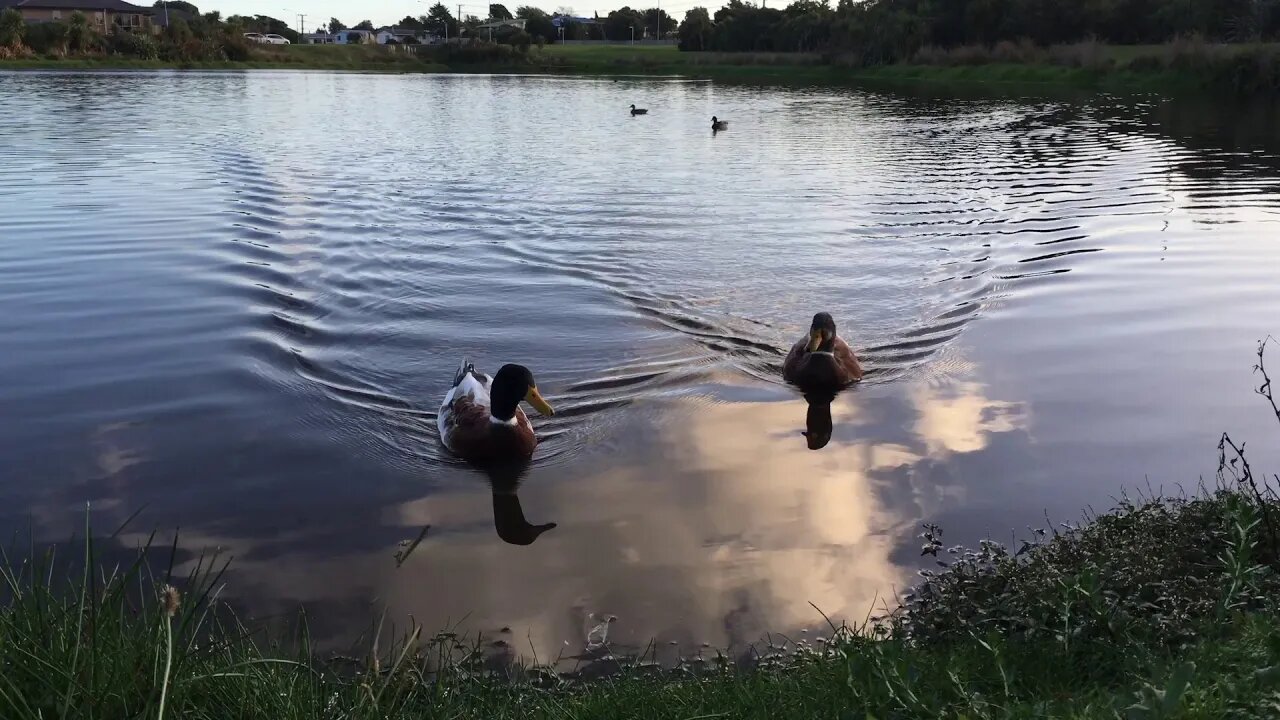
x: 508, y: 515
x: 821, y: 364
x: 817, y: 421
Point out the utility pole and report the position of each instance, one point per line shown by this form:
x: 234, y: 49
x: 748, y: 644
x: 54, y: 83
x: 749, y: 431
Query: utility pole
x: 302, y: 24
x: 459, y: 20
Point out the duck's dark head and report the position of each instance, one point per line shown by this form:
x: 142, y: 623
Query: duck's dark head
x: 633, y: 107
x: 512, y: 384
x: 822, y: 333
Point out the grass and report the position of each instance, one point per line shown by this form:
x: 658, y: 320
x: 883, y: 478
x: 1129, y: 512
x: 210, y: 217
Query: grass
x: 1189, y: 64
x: 1160, y: 608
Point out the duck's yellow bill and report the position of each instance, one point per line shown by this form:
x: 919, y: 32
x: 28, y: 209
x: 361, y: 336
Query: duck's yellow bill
x: 815, y: 340
x: 534, y: 398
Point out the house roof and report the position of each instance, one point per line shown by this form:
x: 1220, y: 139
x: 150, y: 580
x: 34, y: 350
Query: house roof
x: 398, y: 30
x: 86, y: 5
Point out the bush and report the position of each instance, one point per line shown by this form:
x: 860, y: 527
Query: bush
x: 12, y: 28
x: 47, y: 38
x: 135, y: 45
x: 236, y: 48
x: 519, y: 39
x: 80, y: 37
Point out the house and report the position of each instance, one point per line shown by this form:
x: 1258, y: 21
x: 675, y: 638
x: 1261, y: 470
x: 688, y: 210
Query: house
x: 105, y: 16
x: 353, y: 37
x: 319, y: 38
x: 401, y: 36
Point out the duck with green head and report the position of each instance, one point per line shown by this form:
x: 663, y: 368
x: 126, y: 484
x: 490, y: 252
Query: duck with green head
x: 481, y: 419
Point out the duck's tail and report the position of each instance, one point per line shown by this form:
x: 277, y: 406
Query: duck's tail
x: 463, y: 370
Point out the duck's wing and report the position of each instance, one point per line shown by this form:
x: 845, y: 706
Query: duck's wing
x: 792, y: 364
x: 847, y: 360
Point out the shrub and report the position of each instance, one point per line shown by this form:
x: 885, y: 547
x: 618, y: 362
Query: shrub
x: 47, y: 38
x: 80, y: 37
x: 519, y: 39
x: 236, y: 48
x: 134, y: 45
x: 12, y: 28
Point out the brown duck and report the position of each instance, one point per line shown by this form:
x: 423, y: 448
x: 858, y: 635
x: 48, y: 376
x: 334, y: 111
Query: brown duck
x: 821, y: 360
x: 481, y: 420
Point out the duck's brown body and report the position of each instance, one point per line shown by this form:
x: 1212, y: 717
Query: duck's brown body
x: 821, y: 360
x: 836, y: 368
x: 472, y: 435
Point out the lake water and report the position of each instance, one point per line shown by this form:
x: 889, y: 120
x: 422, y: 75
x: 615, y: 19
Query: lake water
x: 233, y: 302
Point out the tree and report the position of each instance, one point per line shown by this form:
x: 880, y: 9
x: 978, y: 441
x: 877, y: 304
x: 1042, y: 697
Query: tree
x: 499, y: 12
x: 537, y: 23
x: 696, y: 29
x: 335, y: 25
x: 440, y: 21
x: 411, y: 22
x: 179, y: 5
x: 653, y: 16
x: 12, y: 28
x: 365, y: 25
x: 619, y: 24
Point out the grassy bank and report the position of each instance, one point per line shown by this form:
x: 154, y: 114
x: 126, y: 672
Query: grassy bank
x: 1159, y: 608
x: 351, y: 58
x: 1178, y: 66
x: 1156, y: 610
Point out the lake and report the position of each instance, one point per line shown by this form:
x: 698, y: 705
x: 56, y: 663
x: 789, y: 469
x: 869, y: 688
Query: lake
x: 231, y: 302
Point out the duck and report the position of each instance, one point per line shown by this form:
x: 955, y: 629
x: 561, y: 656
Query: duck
x: 718, y: 124
x: 821, y: 359
x: 481, y: 420
x: 638, y: 111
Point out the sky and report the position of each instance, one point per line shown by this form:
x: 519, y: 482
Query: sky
x: 386, y: 12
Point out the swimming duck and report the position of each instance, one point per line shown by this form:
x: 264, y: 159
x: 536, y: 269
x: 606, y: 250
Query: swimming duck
x: 638, y: 111
x: 481, y: 420
x: 717, y: 124
x: 821, y: 359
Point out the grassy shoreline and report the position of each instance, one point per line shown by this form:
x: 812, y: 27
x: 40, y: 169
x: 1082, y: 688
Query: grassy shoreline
x: 1175, y: 67
x: 1164, y: 608
x: 1160, y: 608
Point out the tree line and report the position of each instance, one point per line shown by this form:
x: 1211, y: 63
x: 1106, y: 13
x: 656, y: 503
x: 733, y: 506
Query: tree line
x: 892, y: 30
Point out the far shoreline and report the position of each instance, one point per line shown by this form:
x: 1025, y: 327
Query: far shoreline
x: 1136, y: 68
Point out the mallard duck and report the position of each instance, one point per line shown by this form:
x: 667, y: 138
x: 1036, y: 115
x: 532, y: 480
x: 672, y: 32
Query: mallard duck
x: 480, y: 418
x: 638, y: 111
x: 821, y: 360
x: 717, y: 124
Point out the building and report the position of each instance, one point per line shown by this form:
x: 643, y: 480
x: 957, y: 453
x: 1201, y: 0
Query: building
x: 401, y: 36
x: 353, y: 37
x: 319, y: 38
x: 105, y: 16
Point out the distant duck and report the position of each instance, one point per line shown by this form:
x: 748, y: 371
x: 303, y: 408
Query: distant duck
x: 638, y: 111
x: 481, y: 420
x: 717, y: 124
x: 821, y: 360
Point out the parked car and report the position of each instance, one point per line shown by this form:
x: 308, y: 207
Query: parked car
x: 275, y: 40
x: 255, y: 37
